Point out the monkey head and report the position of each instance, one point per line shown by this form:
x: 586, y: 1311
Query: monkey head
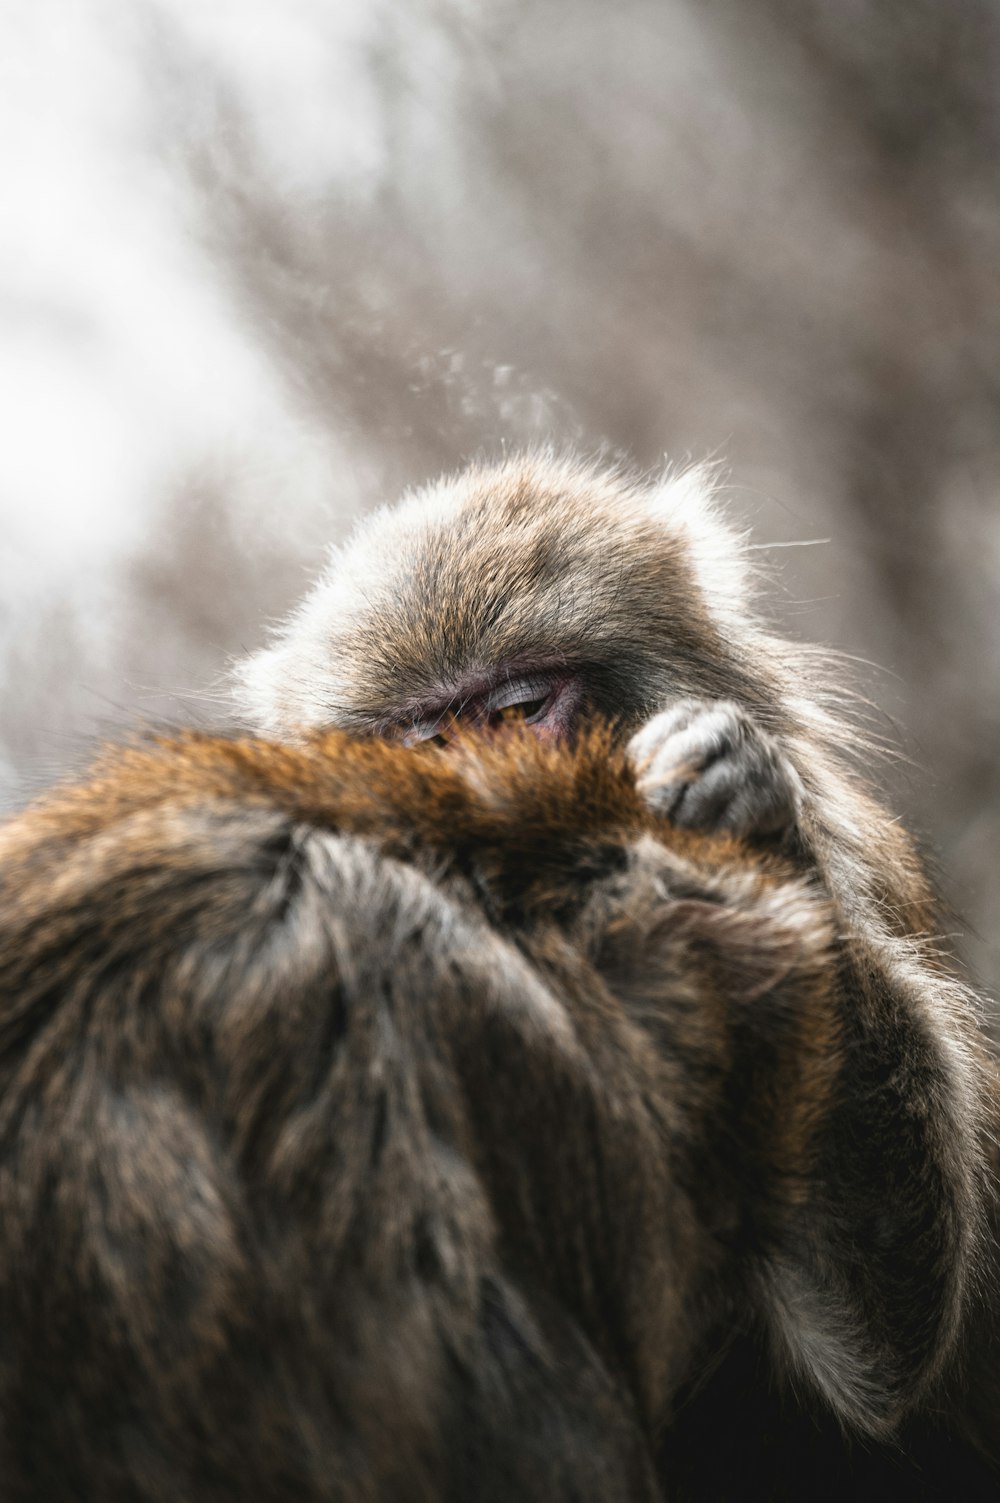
x: 540, y: 590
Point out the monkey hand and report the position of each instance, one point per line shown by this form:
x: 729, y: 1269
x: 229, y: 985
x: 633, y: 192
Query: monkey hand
x: 707, y: 765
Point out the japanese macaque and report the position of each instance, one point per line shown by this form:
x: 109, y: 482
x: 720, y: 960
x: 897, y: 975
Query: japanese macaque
x: 553, y: 593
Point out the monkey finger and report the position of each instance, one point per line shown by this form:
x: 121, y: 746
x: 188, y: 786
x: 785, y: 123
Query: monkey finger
x: 693, y: 734
x: 746, y: 790
x: 675, y: 718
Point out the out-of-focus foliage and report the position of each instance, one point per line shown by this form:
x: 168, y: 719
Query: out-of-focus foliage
x: 264, y: 263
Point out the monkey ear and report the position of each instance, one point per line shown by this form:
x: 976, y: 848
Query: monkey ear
x: 258, y: 683
x: 686, y: 502
x: 289, y: 688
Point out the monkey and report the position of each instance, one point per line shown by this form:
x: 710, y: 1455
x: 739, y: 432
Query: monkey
x: 378, y: 1124
x: 382, y: 1125
x: 554, y: 592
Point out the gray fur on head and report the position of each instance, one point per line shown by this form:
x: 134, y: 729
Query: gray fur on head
x: 535, y: 557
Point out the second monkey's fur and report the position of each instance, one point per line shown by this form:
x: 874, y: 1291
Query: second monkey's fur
x: 382, y: 1125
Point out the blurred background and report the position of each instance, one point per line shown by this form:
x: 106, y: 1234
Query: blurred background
x: 263, y: 263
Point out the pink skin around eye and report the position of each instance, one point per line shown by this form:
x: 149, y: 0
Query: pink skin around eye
x: 557, y: 719
x: 490, y: 701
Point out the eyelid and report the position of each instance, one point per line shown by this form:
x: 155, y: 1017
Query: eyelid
x: 519, y: 691
x: 515, y: 691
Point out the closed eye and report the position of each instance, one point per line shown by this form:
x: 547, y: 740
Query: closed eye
x: 524, y: 699
x: 527, y: 709
x: 545, y: 702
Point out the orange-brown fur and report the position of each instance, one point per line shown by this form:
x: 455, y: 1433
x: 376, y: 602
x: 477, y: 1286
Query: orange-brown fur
x: 376, y: 1124
x: 211, y: 1283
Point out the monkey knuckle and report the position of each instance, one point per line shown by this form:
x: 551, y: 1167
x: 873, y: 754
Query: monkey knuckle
x: 676, y: 745
x: 648, y: 742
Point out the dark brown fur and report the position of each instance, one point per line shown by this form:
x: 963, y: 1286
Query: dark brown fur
x: 382, y: 1125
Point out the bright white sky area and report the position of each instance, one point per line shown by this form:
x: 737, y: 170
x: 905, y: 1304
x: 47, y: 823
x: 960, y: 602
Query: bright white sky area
x: 264, y: 262
x: 120, y: 358
x: 124, y: 367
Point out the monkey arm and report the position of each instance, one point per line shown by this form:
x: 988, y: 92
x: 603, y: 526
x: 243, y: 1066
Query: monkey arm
x: 878, y: 1288
x: 918, y: 1103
